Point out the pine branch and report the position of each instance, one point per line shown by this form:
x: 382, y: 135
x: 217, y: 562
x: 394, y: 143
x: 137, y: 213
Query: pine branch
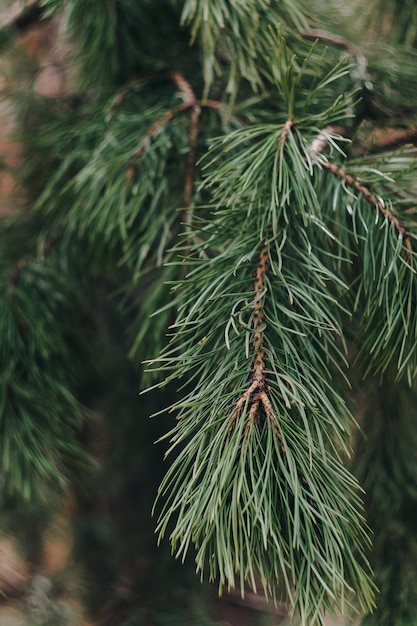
x: 283, y: 247
x: 189, y: 105
x: 370, y: 197
x: 256, y: 395
x: 386, y: 335
x: 319, y: 144
x: 250, y: 456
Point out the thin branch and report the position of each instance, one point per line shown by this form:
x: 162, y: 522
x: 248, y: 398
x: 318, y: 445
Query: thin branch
x: 285, y: 131
x: 388, y: 138
x: 184, y: 87
x: 256, y: 394
x: 191, y: 157
x: 258, y: 317
x: 162, y: 121
x: 121, y: 94
x: 190, y: 99
x: 319, y: 144
x: 368, y: 194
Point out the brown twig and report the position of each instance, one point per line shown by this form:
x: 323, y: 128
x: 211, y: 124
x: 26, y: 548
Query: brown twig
x: 191, y: 157
x: 167, y: 117
x: 318, y: 145
x: 184, y: 87
x: 368, y: 194
x: 256, y: 394
x: 285, y: 131
x: 387, y: 138
x: 191, y: 100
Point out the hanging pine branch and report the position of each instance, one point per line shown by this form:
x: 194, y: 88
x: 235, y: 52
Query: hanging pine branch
x: 259, y: 486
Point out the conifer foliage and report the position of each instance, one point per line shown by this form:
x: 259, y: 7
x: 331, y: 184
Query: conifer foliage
x: 239, y: 179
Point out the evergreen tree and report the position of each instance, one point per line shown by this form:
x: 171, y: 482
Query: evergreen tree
x: 226, y: 194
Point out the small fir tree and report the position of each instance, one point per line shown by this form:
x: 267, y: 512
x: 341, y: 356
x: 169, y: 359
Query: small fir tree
x: 225, y: 192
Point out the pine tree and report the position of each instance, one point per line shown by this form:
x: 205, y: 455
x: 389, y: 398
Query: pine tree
x: 225, y: 194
